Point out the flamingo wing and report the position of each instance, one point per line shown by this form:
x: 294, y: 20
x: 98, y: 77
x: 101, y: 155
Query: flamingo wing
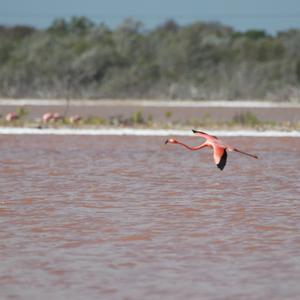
x: 205, y: 135
x: 220, y: 156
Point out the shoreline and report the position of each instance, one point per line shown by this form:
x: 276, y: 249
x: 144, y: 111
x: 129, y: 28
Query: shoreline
x: 142, y: 132
x: 154, y: 114
x: 150, y: 103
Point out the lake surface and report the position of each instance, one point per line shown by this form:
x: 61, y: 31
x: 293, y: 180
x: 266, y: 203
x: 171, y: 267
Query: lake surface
x: 113, y: 217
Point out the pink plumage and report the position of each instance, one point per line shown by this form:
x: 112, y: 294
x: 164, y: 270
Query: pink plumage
x: 11, y: 117
x: 218, y: 146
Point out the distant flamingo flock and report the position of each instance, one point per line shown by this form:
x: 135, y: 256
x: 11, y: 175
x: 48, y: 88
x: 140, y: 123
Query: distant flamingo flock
x: 46, y: 118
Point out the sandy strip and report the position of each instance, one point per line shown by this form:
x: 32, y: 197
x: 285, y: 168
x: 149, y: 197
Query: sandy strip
x: 146, y: 103
x: 140, y: 132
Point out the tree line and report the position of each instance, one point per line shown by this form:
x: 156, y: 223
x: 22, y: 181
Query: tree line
x: 77, y: 58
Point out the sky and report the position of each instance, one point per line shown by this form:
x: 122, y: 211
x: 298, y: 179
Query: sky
x: 269, y: 15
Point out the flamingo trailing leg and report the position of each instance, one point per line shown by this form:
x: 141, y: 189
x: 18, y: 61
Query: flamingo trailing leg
x: 218, y: 146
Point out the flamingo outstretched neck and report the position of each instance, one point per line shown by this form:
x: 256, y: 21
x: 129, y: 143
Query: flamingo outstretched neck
x: 173, y: 141
x: 219, y: 148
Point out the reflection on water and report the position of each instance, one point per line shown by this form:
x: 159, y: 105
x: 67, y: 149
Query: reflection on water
x: 130, y: 218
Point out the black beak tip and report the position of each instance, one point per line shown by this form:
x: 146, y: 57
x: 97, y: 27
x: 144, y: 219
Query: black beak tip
x: 167, y: 141
x: 194, y: 130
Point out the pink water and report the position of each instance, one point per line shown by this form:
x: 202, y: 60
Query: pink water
x: 130, y: 218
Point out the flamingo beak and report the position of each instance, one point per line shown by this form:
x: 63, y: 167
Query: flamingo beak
x: 167, y: 141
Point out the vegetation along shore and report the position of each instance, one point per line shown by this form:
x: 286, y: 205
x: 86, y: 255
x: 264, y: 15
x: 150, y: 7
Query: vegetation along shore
x: 214, y: 117
x: 80, y: 59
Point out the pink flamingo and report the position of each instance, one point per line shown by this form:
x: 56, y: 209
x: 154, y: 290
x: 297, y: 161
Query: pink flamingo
x: 12, y: 116
x: 219, y: 148
x: 75, y: 119
x: 47, y: 117
x: 56, y: 117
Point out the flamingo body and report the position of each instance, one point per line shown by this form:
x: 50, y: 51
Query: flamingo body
x: 220, y: 157
x: 12, y: 116
x: 75, y: 119
x: 47, y: 117
x: 57, y: 116
x: 218, y: 146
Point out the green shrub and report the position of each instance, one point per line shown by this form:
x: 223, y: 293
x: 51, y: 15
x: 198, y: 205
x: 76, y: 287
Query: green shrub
x: 246, y: 118
x: 93, y: 120
x: 168, y: 114
x: 137, y: 118
x: 22, y: 112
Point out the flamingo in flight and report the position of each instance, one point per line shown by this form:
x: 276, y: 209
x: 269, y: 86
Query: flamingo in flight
x: 219, y: 148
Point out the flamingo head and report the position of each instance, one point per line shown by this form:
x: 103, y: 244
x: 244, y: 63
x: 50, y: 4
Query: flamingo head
x: 171, y: 141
